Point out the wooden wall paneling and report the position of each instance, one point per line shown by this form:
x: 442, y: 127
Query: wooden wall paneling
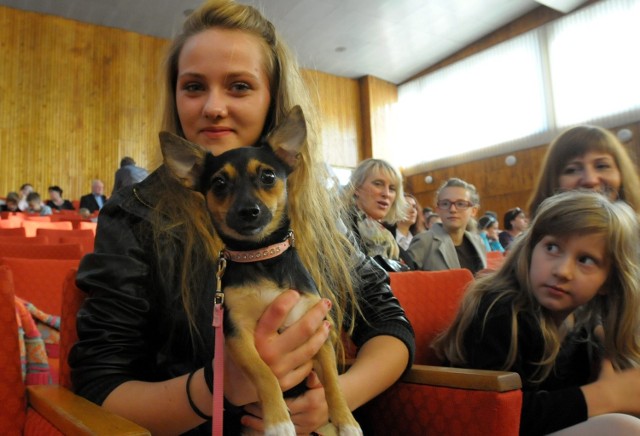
x: 76, y: 98
x: 337, y: 99
x: 377, y: 99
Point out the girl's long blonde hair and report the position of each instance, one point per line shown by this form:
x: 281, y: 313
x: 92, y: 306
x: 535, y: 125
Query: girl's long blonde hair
x: 182, y: 223
x: 564, y: 215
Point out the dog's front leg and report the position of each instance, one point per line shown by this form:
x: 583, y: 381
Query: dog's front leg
x: 339, y: 412
x: 242, y: 350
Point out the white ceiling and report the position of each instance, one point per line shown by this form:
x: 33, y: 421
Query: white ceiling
x: 390, y: 39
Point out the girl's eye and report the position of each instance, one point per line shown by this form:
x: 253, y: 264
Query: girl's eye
x: 193, y: 87
x: 551, y: 247
x: 392, y: 188
x: 587, y: 260
x: 603, y: 166
x: 570, y: 169
x: 240, y: 87
x: 268, y: 177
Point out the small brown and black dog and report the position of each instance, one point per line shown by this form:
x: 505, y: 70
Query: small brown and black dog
x: 245, y: 191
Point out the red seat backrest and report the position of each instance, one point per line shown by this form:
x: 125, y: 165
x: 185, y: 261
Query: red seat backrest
x: 87, y: 243
x: 72, y: 299
x: 31, y: 227
x: 19, y: 239
x: 39, y: 281
x: 42, y: 251
x: 55, y: 235
x: 495, y: 259
x: 12, y: 390
x: 13, y: 231
x: 430, y: 300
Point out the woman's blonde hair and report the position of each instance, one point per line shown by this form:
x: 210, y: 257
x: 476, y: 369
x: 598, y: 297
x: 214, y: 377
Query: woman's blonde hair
x: 182, y: 221
x: 564, y: 215
x: 398, y: 209
x: 575, y: 142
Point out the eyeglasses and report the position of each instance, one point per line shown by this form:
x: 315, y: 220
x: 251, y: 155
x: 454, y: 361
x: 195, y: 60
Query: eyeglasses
x: 459, y: 204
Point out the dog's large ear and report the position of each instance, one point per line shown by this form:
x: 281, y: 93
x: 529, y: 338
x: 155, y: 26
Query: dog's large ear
x: 184, y: 159
x: 288, y: 138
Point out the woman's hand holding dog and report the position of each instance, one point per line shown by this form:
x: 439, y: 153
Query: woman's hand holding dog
x: 288, y: 354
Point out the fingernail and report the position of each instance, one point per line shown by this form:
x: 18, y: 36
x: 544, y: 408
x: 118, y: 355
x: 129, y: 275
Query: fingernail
x: 327, y: 324
x: 327, y: 303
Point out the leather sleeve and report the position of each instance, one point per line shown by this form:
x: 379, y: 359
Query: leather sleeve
x: 381, y: 311
x: 128, y: 328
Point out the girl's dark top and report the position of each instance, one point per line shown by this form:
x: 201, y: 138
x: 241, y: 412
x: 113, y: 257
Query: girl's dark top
x: 557, y: 402
x: 133, y: 326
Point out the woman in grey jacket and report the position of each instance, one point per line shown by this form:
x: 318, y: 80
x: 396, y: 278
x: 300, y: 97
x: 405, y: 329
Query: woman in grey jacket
x: 453, y: 243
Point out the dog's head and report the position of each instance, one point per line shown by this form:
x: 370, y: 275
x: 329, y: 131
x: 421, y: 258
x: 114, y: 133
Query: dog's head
x: 245, y: 188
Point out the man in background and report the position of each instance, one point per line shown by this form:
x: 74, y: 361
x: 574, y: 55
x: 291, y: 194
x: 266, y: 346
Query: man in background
x: 128, y: 174
x: 96, y: 199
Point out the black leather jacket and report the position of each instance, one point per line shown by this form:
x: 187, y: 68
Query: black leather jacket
x: 132, y: 326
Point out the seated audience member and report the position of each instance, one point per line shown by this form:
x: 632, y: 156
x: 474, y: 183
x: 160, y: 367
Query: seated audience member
x: 562, y: 312
x: 488, y: 231
x: 36, y: 205
x: 587, y: 157
x: 11, y: 203
x: 431, y: 220
x: 515, y: 222
x: 374, y: 194
x: 404, y: 229
x: 128, y: 174
x: 25, y: 190
x: 454, y: 243
x: 56, y: 201
x: 96, y: 199
x: 426, y: 212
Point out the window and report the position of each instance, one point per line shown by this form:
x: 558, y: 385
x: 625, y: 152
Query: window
x: 581, y: 68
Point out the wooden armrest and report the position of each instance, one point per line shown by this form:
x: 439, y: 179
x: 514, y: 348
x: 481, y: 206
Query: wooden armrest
x: 72, y: 414
x: 476, y: 379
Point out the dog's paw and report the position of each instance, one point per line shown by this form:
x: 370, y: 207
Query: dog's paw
x: 350, y: 430
x: 282, y: 429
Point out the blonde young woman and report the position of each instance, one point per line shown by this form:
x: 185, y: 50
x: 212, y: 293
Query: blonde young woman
x: 146, y: 330
x: 374, y: 194
x: 453, y: 243
x: 562, y: 312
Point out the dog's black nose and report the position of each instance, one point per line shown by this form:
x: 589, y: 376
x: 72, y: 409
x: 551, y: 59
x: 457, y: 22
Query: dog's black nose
x: 249, y: 213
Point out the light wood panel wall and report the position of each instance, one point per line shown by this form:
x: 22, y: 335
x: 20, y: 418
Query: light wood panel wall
x: 377, y: 100
x: 76, y: 98
x: 501, y: 187
x: 338, y: 102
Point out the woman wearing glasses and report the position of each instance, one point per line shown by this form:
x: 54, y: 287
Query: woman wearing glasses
x: 454, y: 242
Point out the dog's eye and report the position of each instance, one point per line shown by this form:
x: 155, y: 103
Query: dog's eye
x: 218, y: 184
x: 268, y: 177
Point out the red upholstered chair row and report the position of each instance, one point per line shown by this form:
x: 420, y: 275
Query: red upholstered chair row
x: 39, y: 281
x: 42, y: 251
x: 55, y: 235
x: 43, y: 410
x: 439, y: 400
x: 20, y: 239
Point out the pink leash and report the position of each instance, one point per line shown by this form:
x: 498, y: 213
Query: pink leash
x: 218, y: 359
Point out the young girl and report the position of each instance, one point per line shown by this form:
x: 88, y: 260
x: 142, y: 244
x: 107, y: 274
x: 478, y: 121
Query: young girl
x: 454, y: 243
x: 145, y: 337
x: 562, y: 312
